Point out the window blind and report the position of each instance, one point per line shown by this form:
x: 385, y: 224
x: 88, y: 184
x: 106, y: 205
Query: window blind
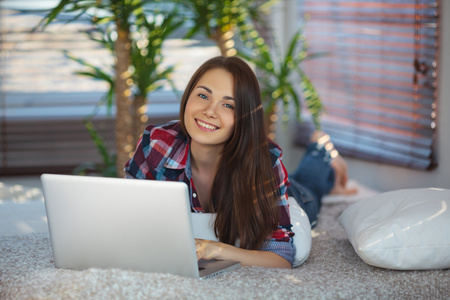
x: 378, y: 81
x: 43, y: 102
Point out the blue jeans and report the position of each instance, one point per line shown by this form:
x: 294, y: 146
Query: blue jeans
x: 313, y: 179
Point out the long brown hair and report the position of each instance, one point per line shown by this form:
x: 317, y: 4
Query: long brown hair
x: 244, y: 190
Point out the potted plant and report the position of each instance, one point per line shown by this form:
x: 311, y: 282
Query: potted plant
x: 123, y: 27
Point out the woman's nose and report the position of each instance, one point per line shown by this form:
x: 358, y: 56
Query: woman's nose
x: 210, y: 110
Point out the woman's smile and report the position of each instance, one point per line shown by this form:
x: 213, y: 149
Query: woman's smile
x: 206, y: 126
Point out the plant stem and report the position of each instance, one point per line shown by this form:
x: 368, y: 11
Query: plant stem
x: 124, y: 138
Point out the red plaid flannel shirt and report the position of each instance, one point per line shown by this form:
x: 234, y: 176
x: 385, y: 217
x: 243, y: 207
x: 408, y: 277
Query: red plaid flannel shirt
x: 163, y: 154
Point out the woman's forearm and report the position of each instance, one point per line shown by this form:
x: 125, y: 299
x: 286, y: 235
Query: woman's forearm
x: 215, y: 250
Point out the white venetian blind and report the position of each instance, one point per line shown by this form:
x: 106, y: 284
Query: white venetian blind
x: 379, y: 79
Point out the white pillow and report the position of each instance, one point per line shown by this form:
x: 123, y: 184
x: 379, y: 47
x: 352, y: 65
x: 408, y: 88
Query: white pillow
x: 204, y: 223
x: 302, y: 229
x: 402, y: 230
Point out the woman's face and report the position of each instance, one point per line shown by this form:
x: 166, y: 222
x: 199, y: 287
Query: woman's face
x: 209, y: 114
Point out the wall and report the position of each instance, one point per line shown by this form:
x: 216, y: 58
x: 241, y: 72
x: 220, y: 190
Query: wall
x: 385, y: 177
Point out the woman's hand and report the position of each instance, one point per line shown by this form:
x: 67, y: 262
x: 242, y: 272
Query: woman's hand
x: 207, y: 249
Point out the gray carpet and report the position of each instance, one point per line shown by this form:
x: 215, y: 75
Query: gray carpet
x: 333, y: 271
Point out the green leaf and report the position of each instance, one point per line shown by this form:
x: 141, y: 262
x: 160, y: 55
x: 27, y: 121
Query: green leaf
x: 99, y: 143
x: 52, y: 15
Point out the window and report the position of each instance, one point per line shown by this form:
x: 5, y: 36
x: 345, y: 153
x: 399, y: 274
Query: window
x: 379, y: 80
x: 43, y: 101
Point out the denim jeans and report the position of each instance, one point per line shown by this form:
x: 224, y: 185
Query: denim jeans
x: 313, y: 179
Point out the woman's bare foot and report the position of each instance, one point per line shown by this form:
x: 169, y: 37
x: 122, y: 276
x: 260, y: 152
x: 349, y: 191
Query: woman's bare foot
x: 341, y: 178
x: 338, y: 164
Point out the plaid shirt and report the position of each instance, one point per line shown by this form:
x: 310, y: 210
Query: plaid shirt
x: 163, y: 154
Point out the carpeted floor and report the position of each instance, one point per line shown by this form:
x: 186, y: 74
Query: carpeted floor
x: 333, y: 271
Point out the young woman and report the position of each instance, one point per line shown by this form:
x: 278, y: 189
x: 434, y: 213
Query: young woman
x: 220, y: 150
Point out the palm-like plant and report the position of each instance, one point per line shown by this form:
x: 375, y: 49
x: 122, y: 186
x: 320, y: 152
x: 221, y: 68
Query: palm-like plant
x: 220, y: 20
x: 216, y: 19
x: 136, y: 43
x: 281, y: 75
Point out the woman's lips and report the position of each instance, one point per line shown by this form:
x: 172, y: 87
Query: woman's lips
x: 207, y: 126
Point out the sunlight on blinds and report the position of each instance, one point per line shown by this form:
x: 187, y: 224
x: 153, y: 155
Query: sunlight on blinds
x: 379, y: 79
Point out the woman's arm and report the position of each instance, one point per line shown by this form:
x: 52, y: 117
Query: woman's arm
x: 215, y: 250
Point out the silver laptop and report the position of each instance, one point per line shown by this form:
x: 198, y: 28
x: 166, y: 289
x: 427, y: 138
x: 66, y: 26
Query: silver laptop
x: 140, y: 225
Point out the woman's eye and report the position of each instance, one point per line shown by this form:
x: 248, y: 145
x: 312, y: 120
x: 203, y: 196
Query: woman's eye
x: 203, y: 96
x: 229, y: 106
